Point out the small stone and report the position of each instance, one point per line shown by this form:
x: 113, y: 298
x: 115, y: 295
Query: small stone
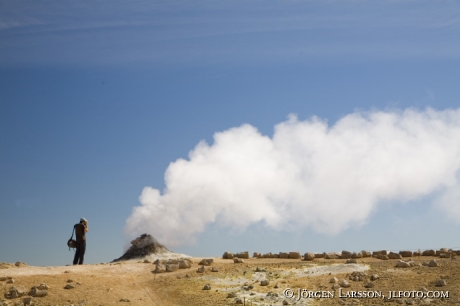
x: 214, y: 269
x: 369, y: 285
x: 231, y: 295
x: 207, y: 287
x: 124, y: 300
x: 69, y: 286
x: 333, y: 280
x: 344, y: 283
x: 264, y: 282
x: 441, y: 283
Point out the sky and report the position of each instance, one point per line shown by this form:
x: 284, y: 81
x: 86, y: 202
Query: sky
x: 260, y: 126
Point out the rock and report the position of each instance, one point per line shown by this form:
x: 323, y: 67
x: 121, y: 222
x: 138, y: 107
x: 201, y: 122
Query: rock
x: 146, y: 261
x: 184, y: 264
x: 320, y: 255
x: 432, y: 263
x: 207, y: 287
x: 200, y: 269
x: 345, y: 255
x: 344, y: 283
x: 238, y: 301
x: 19, y: 264
x: 25, y: 301
x: 264, y: 282
x: 172, y: 267
x: 206, y: 262
x: 294, y: 255
x: 402, y: 264
x: 10, y: 281
x: 214, y: 269
x: 332, y: 255
x: 405, y: 253
x: 36, y: 292
x: 357, y: 255
x: 333, y: 280
x: 393, y: 255
x: 15, y: 292
x: 376, y: 253
x: 283, y: 255
x: 43, y: 287
x: 285, y: 302
x: 309, y: 256
x: 243, y: 255
x: 69, y: 286
x: 260, y: 270
x: 374, y: 277
x: 228, y: 255
x: 417, y: 253
x: 276, y: 286
x: 441, y: 283
x: 382, y: 257
x: 369, y: 285
x: 125, y: 300
x: 238, y: 260
x: 351, y: 261
x: 429, y: 253
x: 335, y: 286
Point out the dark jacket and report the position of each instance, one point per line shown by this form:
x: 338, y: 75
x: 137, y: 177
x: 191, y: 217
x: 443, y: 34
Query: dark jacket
x: 80, y: 232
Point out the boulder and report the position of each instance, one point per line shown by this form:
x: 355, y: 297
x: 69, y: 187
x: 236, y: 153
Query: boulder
x: 333, y: 280
x: 320, y: 255
x: 351, y: 261
x: 429, y: 253
x: 228, y: 255
x: 184, y: 264
x: 172, y: 267
x: 255, y: 255
x: 402, y: 264
x: 345, y: 255
x: 417, y: 253
x: 405, y: 253
x: 237, y: 260
x: 283, y: 255
x: 243, y: 255
x: 332, y: 255
x: 393, y: 255
x: 309, y: 256
x: 382, y: 257
x: 214, y: 269
x: 264, y: 282
x: 294, y: 255
x: 432, y: 263
x: 366, y: 254
x: 382, y: 252
x: 344, y: 283
x: 357, y: 255
x: 206, y: 262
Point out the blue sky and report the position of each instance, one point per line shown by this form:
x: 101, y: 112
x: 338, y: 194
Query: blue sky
x: 99, y: 98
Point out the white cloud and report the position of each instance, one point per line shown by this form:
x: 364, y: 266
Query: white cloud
x: 308, y: 175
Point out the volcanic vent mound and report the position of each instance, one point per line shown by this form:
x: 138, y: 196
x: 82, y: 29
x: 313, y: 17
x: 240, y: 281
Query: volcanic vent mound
x: 147, y: 247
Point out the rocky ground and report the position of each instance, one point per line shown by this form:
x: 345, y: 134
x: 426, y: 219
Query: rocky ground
x: 256, y: 281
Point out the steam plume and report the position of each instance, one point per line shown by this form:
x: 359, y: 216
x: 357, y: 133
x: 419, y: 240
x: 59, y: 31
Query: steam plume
x: 309, y: 174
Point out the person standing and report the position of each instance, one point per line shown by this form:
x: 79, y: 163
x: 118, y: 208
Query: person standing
x: 80, y: 231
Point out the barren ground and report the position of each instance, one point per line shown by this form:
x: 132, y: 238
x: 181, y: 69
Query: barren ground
x: 133, y: 283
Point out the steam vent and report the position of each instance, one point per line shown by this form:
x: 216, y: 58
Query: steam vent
x: 143, y: 246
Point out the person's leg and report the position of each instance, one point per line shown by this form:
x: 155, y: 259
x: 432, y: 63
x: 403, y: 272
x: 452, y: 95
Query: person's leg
x: 77, y: 254
x: 82, y: 252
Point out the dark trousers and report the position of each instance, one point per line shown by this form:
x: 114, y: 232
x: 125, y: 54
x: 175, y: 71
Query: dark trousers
x: 80, y: 253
